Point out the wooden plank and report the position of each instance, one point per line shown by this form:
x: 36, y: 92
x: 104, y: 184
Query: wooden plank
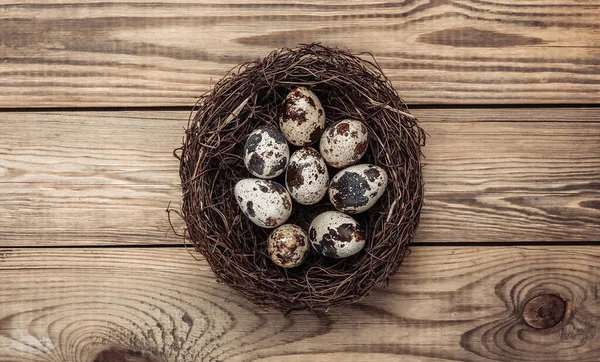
x: 106, y: 178
x: 467, y: 150
x: 61, y: 215
x: 159, y: 304
x: 135, y: 53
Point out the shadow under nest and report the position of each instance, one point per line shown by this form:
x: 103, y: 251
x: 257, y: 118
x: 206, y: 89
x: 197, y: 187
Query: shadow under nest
x: 211, y: 162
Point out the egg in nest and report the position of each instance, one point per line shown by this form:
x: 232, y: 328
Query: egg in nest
x: 336, y: 235
x: 288, y: 245
x: 266, y: 203
x: 303, y: 118
x: 356, y: 189
x: 266, y: 152
x: 344, y: 143
x: 307, y: 177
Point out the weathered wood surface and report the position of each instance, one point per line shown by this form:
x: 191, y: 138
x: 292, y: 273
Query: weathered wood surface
x: 463, y: 303
x: 99, y: 178
x: 104, y: 178
x: 135, y: 53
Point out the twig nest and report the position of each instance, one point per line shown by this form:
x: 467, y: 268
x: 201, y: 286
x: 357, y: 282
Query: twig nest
x: 230, y: 226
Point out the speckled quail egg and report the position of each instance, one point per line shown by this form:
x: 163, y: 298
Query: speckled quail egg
x: 356, y: 189
x: 266, y: 203
x: 344, y: 143
x: 306, y: 177
x: 288, y: 245
x: 303, y: 118
x: 266, y: 152
x: 336, y: 235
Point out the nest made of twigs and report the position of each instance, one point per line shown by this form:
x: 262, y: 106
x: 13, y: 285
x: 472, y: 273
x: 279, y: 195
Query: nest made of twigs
x: 211, y: 162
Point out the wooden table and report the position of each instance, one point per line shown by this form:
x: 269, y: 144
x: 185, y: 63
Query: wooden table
x: 95, y: 96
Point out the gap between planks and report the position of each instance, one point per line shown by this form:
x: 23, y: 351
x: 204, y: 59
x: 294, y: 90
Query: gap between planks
x: 410, y: 107
x: 417, y: 244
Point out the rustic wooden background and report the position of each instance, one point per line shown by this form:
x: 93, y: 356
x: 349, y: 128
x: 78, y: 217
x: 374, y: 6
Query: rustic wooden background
x: 94, y: 96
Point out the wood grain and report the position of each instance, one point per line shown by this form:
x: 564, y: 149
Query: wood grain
x: 135, y: 53
x: 159, y: 304
x: 468, y: 149
x: 100, y: 178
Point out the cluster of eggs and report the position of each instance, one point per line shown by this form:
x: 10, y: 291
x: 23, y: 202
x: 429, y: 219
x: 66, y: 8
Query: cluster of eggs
x: 354, y: 189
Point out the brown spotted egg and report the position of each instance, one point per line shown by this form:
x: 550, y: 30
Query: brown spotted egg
x: 266, y: 203
x: 344, y: 143
x: 288, y: 245
x: 336, y: 235
x: 306, y: 177
x: 356, y: 189
x: 266, y: 153
x: 303, y: 118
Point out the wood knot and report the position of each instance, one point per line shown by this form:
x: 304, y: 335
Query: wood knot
x: 120, y: 354
x: 544, y: 311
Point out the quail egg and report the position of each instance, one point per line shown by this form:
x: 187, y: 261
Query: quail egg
x: 336, y: 235
x: 266, y: 203
x: 344, y: 143
x: 288, y: 245
x: 356, y: 189
x: 266, y: 153
x: 303, y: 118
x: 306, y: 177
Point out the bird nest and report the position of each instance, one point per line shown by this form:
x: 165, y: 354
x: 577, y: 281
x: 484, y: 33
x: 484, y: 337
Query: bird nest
x: 350, y: 86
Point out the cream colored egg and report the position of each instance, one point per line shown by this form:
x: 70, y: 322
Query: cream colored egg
x: 266, y: 153
x: 266, y: 203
x: 336, y: 235
x: 344, y: 143
x: 306, y: 177
x: 356, y: 189
x: 303, y: 118
x: 288, y: 245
